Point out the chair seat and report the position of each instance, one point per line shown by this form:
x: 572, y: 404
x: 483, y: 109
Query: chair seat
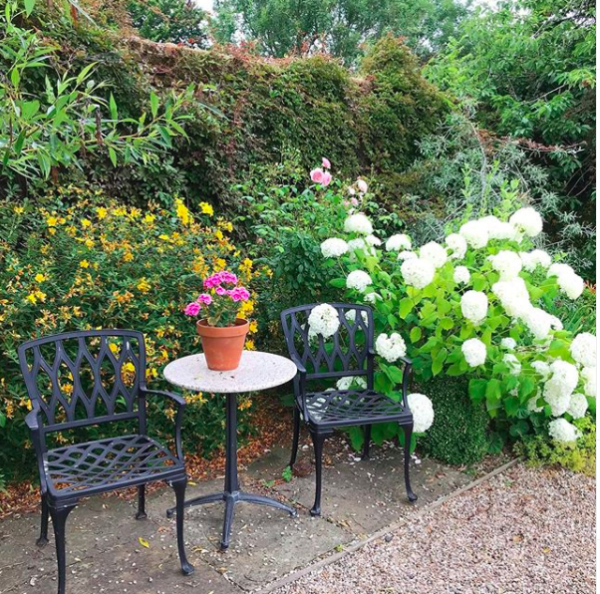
x: 339, y: 408
x: 107, y: 464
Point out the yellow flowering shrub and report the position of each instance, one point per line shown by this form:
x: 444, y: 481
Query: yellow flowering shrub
x: 80, y: 261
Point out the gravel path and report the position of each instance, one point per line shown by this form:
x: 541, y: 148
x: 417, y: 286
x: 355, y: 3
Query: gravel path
x: 525, y: 531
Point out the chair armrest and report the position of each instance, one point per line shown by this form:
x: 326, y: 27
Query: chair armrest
x: 299, y: 365
x: 180, y: 401
x: 301, y: 385
x: 32, y: 419
x: 33, y: 422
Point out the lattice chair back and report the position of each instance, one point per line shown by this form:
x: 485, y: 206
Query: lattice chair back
x: 85, y: 378
x: 346, y: 353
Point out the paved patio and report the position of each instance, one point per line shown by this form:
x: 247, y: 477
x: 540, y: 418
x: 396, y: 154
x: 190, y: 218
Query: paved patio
x: 105, y: 553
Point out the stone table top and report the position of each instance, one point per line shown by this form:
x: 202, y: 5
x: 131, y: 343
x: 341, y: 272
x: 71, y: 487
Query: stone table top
x: 256, y: 371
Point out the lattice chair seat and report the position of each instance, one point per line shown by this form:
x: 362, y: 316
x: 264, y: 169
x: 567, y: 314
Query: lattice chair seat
x: 339, y: 408
x: 106, y: 464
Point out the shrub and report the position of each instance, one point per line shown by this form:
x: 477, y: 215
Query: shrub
x: 459, y: 434
x: 80, y: 261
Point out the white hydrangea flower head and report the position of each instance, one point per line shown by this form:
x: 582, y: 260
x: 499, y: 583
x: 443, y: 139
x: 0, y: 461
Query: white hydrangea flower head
x: 475, y: 234
x: 583, y: 349
x: 458, y: 244
x: 474, y: 351
x: 372, y: 297
x: 571, y: 284
x: 566, y: 372
x: 513, y: 296
x: 356, y: 382
x: 532, y: 404
x: 498, y: 230
x: 514, y: 365
x: 324, y: 320
x: 507, y: 263
x: 435, y: 253
x: 508, y: 343
x: 372, y: 240
x: 542, y: 368
x: 360, y: 244
x: 558, y: 389
x: 417, y: 272
x: 351, y: 316
x: 474, y: 306
x: 578, y: 406
x: 558, y: 269
x: 563, y: 431
x: 588, y: 375
x: 531, y: 260
x: 334, y: 247
x: 406, y: 255
x: 528, y: 221
x: 538, y: 322
x: 359, y: 280
x: 422, y: 412
x: 391, y: 347
x: 398, y: 242
x: 462, y: 275
x: 358, y: 223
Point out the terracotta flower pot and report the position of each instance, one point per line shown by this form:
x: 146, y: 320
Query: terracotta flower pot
x: 223, y: 346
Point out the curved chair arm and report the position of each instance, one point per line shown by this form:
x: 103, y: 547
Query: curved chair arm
x: 180, y: 401
x: 301, y: 384
x: 406, y: 373
x: 34, y: 423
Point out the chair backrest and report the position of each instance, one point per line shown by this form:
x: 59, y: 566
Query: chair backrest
x: 85, y: 378
x: 346, y: 353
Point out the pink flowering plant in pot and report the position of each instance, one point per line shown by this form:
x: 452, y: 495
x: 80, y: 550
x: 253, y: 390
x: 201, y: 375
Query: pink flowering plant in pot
x: 223, y: 333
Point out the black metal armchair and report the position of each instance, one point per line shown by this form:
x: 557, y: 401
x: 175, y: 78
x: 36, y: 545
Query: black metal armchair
x: 349, y: 353
x: 80, y: 379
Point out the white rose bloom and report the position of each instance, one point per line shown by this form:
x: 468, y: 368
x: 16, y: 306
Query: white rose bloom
x: 513, y: 296
x: 475, y: 234
x: 334, y: 248
x: 563, y: 431
x: 345, y: 383
x: 372, y: 297
x: 571, y: 284
x: 373, y: 240
x: 359, y: 280
x: 538, y: 322
x: 588, y: 374
x: 508, y: 343
x: 577, y: 406
x: 507, y: 263
x: 324, y: 320
x: 474, y: 351
x: 406, y: 255
x: 531, y: 260
x: 474, y: 306
x: 417, y: 272
x: 462, y: 275
x: 542, y: 368
x: 433, y: 252
x: 528, y: 221
x: 458, y: 244
x: 358, y: 223
x: 513, y: 363
x: 391, y: 348
x: 398, y: 242
x: 422, y: 412
x: 583, y: 349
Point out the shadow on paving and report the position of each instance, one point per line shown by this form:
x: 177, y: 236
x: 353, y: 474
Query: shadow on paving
x: 105, y: 554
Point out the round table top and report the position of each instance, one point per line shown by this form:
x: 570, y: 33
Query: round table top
x: 256, y: 371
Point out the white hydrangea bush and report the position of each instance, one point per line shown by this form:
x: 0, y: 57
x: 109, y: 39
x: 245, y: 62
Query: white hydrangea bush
x: 473, y: 305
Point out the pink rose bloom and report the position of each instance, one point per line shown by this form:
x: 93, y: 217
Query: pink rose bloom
x: 204, y: 298
x: 228, y: 277
x: 362, y: 185
x: 326, y: 178
x: 354, y: 201
x: 192, y: 309
x: 326, y: 163
x: 221, y: 291
x: 316, y: 175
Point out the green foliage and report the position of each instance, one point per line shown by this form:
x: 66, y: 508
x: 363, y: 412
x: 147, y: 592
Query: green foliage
x: 459, y: 434
x: 580, y: 457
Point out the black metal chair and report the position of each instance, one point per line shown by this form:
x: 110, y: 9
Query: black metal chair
x: 348, y: 353
x: 81, y: 379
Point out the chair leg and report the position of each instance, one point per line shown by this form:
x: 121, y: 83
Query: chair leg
x: 42, y: 541
x: 367, y: 444
x: 141, y: 512
x: 179, y: 487
x: 296, y: 441
x: 318, y: 440
x: 407, y: 437
x: 59, y: 521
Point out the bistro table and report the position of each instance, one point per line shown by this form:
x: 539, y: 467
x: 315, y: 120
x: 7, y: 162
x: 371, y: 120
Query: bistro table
x: 257, y: 371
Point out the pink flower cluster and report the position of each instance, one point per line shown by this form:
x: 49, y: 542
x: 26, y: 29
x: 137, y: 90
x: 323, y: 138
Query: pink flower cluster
x: 214, y: 282
x: 321, y: 175
x: 220, y: 277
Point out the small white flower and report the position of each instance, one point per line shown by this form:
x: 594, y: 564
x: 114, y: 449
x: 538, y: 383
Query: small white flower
x: 462, y: 275
x: 474, y: 306
x: 391, y: 348
x: 458, y: 244
x: 417, y: 272
x: 359, y: 244
x: 435, y: 253
x: 583, y: 349
x: 398, y: 242
x: 513, y: 363
x: 324, y: 320
x: 358, y: 223
x: 563, y: 431
x: 531, y: 260
x: 362, y: 186
x: 372, y: 240
x: 507, y: 263
x: 577, y: 406
x: 422, y: 412
x: 372, y: 297
x: 528, y: 221
x: 334, y: 248
x: 475, y: 234
x: 359, y: 280
x: 351, y: 316
x: 406, y: 255
x: 474, y: 351
x: 588, y: 375
x: 348, y: 382
x: 508, y: 343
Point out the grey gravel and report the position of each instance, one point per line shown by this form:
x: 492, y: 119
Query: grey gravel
x: 524, y: 531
